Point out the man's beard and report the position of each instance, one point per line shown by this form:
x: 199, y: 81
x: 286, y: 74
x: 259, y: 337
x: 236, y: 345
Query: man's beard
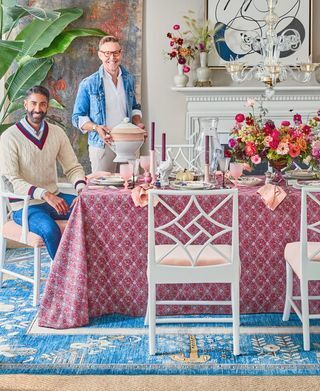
x: 39, y: 116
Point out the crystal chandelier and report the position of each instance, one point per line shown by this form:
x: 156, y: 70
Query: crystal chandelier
x: 270, y: 70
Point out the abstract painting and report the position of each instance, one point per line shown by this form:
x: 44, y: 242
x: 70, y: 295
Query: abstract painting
x: 237, y: 17
x: 122, y: 18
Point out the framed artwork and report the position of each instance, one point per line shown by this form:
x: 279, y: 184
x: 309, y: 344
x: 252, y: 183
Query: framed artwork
x: 233, y: 18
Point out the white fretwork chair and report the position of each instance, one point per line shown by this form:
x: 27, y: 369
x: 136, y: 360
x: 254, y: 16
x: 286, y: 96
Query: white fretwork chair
x: 9, y: 230
x: 183, y: 155
x: 193, y: 238
x: 303, y: 259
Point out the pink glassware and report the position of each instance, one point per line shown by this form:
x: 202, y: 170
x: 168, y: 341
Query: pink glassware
x: 145, y: 163
x: 126, y: 171
x: 236, y: 170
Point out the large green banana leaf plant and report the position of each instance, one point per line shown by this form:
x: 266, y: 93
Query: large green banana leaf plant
x: 26, y: 58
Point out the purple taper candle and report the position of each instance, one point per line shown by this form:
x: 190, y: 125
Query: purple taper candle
x: 152, y: 136
x: 206, y: 150
x: 163, y: 156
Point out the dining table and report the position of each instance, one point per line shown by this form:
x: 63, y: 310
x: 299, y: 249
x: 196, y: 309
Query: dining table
x: 101, y: 264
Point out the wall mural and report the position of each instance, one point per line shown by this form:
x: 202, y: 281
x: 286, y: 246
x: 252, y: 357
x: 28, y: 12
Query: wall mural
x: 122, y: 18
x: 236, y: 17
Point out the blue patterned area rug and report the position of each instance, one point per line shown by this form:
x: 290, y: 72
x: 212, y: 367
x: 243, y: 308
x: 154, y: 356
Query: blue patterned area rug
x: 116, y: 344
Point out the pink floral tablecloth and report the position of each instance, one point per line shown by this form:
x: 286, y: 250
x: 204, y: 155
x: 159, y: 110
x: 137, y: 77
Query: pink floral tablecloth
x: 100, y: 267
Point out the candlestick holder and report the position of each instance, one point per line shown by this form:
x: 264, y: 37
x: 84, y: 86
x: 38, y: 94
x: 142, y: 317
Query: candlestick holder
x: 206, y: 173
x: 153, y: 165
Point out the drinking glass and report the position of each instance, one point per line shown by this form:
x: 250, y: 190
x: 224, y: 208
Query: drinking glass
x: 145, y: 163
x: 223, y: 166
x: 236, y: 170
x: 126, y: 170
x: 135, y: 168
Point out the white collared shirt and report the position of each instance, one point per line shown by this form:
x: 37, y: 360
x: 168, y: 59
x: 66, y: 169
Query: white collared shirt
x: 115, y: 99
x: 37, y: 134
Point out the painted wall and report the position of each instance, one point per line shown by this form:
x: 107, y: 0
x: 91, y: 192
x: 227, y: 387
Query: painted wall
x: 160, y: 104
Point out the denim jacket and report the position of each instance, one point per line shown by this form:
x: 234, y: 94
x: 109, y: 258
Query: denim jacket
x: 90, y: 101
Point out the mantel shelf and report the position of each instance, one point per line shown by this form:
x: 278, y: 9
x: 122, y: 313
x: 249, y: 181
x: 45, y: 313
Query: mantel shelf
x: 281, y: 90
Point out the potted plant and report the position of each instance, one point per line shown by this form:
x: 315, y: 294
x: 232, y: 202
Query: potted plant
x: 27, y: 57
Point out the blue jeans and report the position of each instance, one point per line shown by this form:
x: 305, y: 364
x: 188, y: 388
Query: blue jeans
x: 41, y: 220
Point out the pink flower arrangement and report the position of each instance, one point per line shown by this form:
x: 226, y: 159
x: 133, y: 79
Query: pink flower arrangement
x: 178, y: 48
x: 254, y: 140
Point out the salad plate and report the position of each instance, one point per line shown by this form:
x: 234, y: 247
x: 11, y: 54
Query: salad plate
x: 247, y: 181
x: 108, y: 180
x: 190, y: 185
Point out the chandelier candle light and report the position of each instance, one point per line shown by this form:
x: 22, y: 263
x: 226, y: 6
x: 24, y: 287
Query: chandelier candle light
x: 152, y: 153
x: 271, y: 70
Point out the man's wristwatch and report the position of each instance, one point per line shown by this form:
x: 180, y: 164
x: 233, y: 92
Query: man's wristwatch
x: 94, y: 127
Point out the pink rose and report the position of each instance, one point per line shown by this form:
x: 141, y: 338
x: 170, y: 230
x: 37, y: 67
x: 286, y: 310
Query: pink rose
x: 239, y: 117
x: 186, y: 69
x: 256, y: 159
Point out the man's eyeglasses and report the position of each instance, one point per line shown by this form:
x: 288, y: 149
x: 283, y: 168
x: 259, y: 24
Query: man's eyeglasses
x: 115, y: 53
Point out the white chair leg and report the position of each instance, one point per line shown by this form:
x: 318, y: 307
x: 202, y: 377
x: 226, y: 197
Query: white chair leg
x: 235, y: 317
x: 146, y: 318
x: 305, y: 314
x: 36, y: 276
x: 152, y: 318
x: 3, y: 247
x: 289, y: 290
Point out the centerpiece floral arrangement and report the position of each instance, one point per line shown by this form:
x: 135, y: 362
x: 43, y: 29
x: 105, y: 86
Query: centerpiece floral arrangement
x: 254, y: 139
x: 180, y: 49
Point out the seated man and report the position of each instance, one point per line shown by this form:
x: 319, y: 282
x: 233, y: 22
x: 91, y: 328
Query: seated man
x: 28, y: 152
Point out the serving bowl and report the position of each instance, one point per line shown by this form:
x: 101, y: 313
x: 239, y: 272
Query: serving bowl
x: 127, y: 140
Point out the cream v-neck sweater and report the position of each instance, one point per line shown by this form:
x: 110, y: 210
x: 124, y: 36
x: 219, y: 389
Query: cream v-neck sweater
x: 30, y: 164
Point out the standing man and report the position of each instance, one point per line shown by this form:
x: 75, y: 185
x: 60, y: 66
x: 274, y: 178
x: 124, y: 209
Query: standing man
x: 28, y: 152
x: 104, y: 99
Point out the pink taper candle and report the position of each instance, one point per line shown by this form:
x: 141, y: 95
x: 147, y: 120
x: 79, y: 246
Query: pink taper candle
x: 152, y: 136
x: 206, y: 149
x: 163, y: 156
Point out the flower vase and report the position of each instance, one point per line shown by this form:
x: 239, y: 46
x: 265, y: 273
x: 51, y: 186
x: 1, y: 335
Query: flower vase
x: 203, y: 73
x: 278, y: 166
x: 181, y: 79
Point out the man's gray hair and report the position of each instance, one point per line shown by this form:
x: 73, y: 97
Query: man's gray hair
x: 108, y: 38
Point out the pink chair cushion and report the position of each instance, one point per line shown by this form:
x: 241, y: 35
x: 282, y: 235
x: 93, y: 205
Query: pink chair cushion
x: 13, y: 231
x: 179, y: 257
x: 292, y: 254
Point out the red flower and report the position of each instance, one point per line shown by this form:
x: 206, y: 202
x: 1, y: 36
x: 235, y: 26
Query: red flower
x: 169, y: 35
x: 179, y: 41
x: 176, y: 27
x: 249, y: 121
x: 239, y: 118
x: 294, y: 150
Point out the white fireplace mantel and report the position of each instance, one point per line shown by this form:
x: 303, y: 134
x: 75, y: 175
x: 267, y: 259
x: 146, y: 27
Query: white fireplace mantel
x: 226, y: 102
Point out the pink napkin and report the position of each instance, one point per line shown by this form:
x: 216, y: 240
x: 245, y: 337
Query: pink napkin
x: 272, y: 195
x: 139, y: 195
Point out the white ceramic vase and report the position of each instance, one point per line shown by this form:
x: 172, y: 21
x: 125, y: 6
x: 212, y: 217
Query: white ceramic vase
x: 203, y: 73
x: 181, y: 79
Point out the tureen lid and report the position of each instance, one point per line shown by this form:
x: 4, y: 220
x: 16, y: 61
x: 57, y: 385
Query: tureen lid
x: 127, y: 127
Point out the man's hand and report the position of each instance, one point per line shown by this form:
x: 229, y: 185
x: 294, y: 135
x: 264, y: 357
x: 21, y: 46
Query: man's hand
x: 104, y: 133
x: 59, y: 204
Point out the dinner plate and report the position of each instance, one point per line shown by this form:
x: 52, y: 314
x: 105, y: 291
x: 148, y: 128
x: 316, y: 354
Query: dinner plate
x: 300, y: 174
x: 190, y: 185
x: 108, y: 180
x: 310, y: 183
x: 247, y: 181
